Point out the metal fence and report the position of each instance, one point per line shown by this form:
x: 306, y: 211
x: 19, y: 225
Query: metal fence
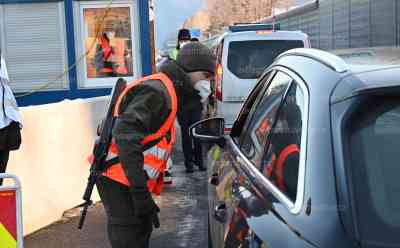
x: 336, y: 24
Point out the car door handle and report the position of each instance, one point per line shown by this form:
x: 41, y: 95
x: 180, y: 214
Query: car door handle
x: 220, y: 212
x: 213, y: 180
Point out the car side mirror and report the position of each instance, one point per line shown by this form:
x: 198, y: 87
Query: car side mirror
x: 209, y: 130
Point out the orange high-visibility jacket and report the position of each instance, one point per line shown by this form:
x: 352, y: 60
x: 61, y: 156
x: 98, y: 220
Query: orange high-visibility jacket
x: 120, y: 57
x: 107, y: 52
x: 155, y: 158
x: 275, y: 170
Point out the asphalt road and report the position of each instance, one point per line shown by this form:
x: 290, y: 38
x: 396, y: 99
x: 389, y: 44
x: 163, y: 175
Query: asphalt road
x: 183, y: 218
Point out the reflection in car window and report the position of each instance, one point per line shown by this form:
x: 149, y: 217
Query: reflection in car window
x: 262, y: 117
x: 251, y: 100
x: 281, y: 161
x: 373, y: 136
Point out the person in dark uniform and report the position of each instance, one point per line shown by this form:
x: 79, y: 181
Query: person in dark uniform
x: 143, y: 112
x: 192, y: 113
x: 183, y: 39
x: 191, y: 149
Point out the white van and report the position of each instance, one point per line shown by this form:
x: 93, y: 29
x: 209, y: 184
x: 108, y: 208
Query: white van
x: 243, y: 54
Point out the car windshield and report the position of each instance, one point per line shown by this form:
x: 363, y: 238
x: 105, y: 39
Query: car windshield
x: 248, y: 59
x: 374, y: 140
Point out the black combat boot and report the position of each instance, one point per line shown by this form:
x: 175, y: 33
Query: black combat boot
x: 189, y: 167
x: 199, y: 163
x: 202, y: 167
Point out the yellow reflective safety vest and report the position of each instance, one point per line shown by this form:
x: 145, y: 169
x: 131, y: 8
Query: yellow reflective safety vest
x: 155, y: 158
x: 174, y: 54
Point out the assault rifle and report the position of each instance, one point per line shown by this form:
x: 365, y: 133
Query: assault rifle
x: 101, y: 147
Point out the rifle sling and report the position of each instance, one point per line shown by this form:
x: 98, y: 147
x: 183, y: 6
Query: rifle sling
x: 111, y: 162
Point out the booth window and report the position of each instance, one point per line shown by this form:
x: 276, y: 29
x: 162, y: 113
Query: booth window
x: 33, y: 41
x: 107, y: 40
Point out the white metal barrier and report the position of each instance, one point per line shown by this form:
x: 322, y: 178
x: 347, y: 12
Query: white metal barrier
x: 11, y: 231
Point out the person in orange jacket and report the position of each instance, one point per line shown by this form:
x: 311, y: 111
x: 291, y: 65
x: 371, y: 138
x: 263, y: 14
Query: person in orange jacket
x: 146, y: 111
x: 103, y: 59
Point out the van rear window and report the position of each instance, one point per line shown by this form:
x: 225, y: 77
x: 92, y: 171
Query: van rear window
x: 249, y: 59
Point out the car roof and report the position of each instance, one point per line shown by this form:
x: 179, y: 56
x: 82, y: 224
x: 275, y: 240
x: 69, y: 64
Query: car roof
x: 372, y: 68
x: 268, y: 34
x: 358, y: 70
x: 335, y: 63
x: 371, y: 79
x: 370, y: 58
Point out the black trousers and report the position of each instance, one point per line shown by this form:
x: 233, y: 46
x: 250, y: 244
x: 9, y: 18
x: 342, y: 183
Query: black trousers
x: 4, y: 155
x: 124, y: 230
x: 191, y: 149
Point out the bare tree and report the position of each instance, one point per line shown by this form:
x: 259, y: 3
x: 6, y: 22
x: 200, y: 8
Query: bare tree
x: 223, y: 13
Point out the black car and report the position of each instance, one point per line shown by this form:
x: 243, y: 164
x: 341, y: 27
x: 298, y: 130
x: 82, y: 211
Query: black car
x: 312, y: 159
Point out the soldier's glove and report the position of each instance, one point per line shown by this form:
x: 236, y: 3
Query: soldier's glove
x: 145, y: 207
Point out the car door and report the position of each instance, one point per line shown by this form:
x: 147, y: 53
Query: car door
x: 221, y: 172
x: 263, y: 209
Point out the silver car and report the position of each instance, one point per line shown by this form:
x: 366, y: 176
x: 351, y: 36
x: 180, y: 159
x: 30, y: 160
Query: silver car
x: 242, y: 56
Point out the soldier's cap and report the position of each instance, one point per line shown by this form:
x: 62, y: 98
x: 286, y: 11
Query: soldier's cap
x: 184, y: 34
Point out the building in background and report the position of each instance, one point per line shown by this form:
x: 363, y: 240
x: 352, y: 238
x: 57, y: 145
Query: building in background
x: 58, y: 50
x: 339, y: 24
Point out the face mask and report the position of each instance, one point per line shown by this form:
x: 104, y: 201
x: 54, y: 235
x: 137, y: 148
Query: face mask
x: 111, y: 35
x: 203, y: 87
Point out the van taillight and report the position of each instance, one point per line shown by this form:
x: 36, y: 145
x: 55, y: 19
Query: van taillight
x: 227, y: 130
x: 218, y: 82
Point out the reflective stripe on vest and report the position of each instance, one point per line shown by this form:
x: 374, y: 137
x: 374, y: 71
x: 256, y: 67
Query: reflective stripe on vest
x: 105, y: 46
x: 280, y: 181
x: 155, y: 158
x: 120, y: 56
x: 270, y: 166
x: 107, y: 52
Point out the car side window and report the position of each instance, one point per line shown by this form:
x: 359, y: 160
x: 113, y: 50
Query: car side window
x: 262, y: 117
x: 252, y: 99
x: 280, y: 163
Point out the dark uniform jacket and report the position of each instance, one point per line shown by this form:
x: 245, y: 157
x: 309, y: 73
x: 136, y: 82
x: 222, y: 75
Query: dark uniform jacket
x: 143, y: 111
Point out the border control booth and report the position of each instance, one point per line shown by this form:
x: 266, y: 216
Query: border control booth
x: 53, y: 48
x: 63, y: 58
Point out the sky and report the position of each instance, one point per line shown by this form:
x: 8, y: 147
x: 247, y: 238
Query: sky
x: 171, y: 14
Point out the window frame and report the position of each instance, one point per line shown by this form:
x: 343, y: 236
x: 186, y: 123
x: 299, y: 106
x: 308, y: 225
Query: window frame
x: 83, y: 81
x: 341, y: 113
x: 270, y: 139
x: 293, y: 207
x: 267, y: 82
x: 248, y: 122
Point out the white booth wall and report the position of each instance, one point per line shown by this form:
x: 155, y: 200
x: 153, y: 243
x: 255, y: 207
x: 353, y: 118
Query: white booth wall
x: 51, y: 163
